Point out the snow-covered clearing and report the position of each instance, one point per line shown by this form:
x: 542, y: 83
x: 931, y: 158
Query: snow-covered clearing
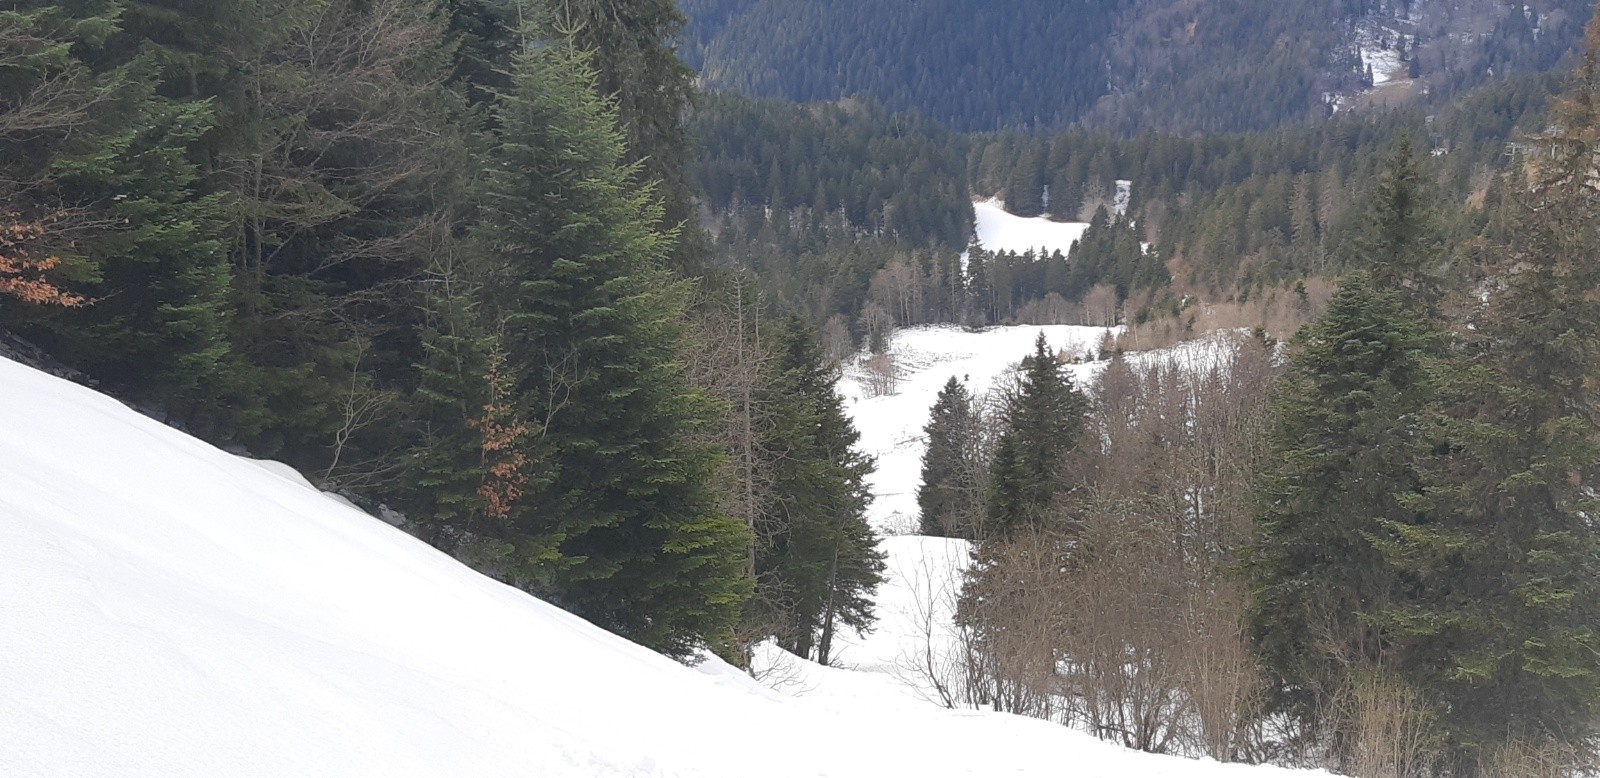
x: 924, y: 359
x: 172, y: 610
x: 1385, y: 64
x: 891, y: 424
x: 1001, y: 231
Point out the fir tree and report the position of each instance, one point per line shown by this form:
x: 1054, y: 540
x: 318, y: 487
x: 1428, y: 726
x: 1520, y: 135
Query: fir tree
x: 1043, y: 422
x: 1346, y: 439
x: 1396, y: 241
x: 950, y: 465
x: 101, y: 163
x: 592, y: 326
x: 817, y: 563
x: 1507, y: 618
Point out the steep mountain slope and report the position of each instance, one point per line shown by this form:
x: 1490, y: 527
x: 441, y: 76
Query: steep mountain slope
x: 1124, y: 65
x: 173, y: 610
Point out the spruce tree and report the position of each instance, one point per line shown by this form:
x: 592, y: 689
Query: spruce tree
x: 817, y: 563
x: 102, y: 162
x: 1043, y: 422
x: 1346, y: 439
x: 949, y: 485
x: 1396, y: 241
x: 591, y: 330
x: 1507, y: 615
x: 631, y: 43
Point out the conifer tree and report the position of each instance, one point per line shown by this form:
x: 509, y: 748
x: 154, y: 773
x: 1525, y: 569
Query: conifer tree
x: 591, y: 331
x: 1346, y: 440
x: 92, y: 155
x: 817, y: 563
x: 638, y: 70
x: 1043, y: 422
x: 1507, y: 615
x: 1396, y: 241
x: 950, y: 486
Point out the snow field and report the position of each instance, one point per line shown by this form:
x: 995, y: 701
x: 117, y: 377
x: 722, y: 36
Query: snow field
x: 1001, y: 231
x: 172, y: 610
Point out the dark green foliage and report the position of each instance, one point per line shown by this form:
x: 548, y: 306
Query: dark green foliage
x: 1043, y: 421
x: 591, y: 331
x: 637, y: 69
x: 1348, y: 432
x: 1508, y: 608
x: 852, y: 168
x: 440, y: 486
x: 1397, y: 242
x: 968, y: 63
x: 949, y: 496
x: 101, y: 160
x: 817, y: 563
x: 1432, y: 513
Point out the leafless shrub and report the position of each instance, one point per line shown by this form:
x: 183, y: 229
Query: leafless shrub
x: 1384, y: 725
x: 880, y: 375
x: 937, y: 663
x: 1526, y: 759
x: 1124, y: 616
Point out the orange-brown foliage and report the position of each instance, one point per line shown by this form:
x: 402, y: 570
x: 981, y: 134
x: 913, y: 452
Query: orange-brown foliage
x: 21, y: 275
x: 505, y: 464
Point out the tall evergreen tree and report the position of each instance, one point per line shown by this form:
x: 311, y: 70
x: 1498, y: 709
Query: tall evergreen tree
x: 1347, y: 437
x: 817, y: 562
x: 102, y: 162
x: 637, y: 67
x: 948, y: 496
x: 1043, y: 422
x: 591, y: 333
x: 1508, y: 610
x: 1396, y: 243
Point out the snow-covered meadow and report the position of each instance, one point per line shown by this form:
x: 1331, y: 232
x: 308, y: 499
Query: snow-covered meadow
x: 1001, y: 231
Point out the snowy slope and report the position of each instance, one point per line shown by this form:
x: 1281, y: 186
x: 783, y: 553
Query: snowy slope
x: 1001, y: 231
x: 171, y: 610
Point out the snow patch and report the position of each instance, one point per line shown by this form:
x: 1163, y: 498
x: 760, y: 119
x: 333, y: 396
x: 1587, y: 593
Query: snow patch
x: 1001, y: 231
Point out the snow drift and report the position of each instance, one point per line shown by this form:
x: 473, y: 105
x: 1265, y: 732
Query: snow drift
x: 171, y: 610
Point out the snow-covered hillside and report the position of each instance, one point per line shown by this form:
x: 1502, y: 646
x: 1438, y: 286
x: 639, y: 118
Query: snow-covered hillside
x: 172, y: 610
x: 1001, y: 231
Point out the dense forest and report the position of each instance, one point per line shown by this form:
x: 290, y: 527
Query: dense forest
x: 859, y: 209
x: 1123, y: 66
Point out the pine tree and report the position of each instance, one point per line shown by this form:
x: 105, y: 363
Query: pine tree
x: 1346, y: 440
x: 817, y: 563
x: 592, y: 327
x: 950, y: 465
x: 1043, y: 422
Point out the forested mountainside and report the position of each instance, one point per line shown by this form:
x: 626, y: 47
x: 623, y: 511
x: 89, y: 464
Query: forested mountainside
x: 828, y: 202
x: 1124, y: 65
